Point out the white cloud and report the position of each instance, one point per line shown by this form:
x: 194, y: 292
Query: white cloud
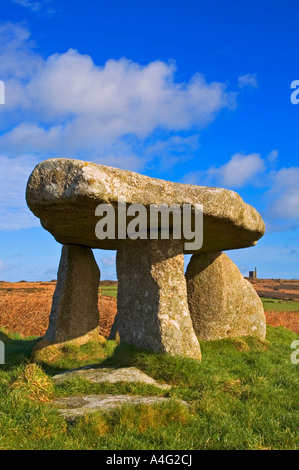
x: 124, y: 97
x: 249, y: 79
x: 68, y: 106
x: 18, y: 60
x: 14, y: 214
x: 176, y: 142
x: 280, y: 199
x: 272, y: 156
x: 285, y: 194
x: 32, y: 5
x: 239, y: 171
x: 75, y: 102
x: 195, y: 177
x: 166, y: 153
x: 287, y: 204
x: 108, y: 261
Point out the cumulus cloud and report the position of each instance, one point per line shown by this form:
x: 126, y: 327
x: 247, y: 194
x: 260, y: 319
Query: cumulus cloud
x: 18, y: 59
x: 285, y: 194
x: 73, y: 100
x: 249, y: 79
x: 280, y: 199
x: 14, y: 174
x: 66, y: 105
x: 239, y: 171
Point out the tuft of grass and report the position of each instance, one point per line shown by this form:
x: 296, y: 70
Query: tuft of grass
x: 94, y: 425
x: 57, y: 358
x: 143, y: 418
x: 141, y: 425
x: 33, y: 383
x: 80, y: 386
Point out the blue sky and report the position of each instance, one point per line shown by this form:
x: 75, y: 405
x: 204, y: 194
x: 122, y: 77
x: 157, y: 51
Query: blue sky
x: 189, y: 91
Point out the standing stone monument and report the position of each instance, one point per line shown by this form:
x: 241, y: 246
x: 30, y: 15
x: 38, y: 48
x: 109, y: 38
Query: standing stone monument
x: 153, y: 310
x: 74, y: 314
x: 222, y: 303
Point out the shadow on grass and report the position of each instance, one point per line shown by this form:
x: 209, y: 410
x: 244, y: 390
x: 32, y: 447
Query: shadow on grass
x: 223, y: 354
x: 121, y: 356
x: 17, y: 348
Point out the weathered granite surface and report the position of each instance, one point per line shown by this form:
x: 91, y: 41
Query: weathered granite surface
x: 64, y: 194
x: 152, y: 307
x: 76, y: 406
x: 111, y: 375
x: 74, y: 315
x: 222, y: 303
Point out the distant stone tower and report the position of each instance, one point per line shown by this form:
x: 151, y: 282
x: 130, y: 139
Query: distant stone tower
x: 253, y: 274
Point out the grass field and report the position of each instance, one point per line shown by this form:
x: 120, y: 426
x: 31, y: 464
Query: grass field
x: 109, y: 291
x: 268, y: 303
x: 243, y: 395
x: 279, y: 305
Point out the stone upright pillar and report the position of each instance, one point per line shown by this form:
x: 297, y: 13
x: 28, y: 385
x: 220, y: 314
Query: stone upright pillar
x: 74, y: 314
x: 222, y: 303
x: 152, y: 303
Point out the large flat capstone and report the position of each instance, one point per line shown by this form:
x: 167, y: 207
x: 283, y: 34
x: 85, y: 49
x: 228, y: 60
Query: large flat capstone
x: 64, y: 194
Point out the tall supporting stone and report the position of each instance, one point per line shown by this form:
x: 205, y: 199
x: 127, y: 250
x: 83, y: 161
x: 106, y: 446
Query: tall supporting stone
x: 74, y: 314
x: 222, y: 303
x: 152, y: 303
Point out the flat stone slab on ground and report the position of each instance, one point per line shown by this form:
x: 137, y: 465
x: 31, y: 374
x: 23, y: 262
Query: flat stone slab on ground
x: 111, y: 375
x: 74, y: 407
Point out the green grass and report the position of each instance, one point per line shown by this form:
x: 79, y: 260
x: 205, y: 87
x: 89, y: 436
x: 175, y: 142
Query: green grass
x: 280, y: 305
x: 269, y: 304
x: 110, y: 291
x: 243, y: 395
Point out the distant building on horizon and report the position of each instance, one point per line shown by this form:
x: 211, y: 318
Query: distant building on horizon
x: 253, y: 274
